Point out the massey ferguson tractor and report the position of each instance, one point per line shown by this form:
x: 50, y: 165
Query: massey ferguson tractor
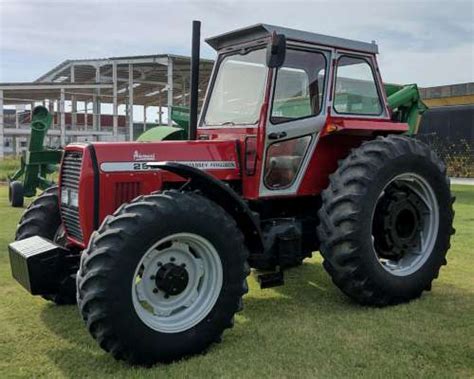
x: 299, y: 147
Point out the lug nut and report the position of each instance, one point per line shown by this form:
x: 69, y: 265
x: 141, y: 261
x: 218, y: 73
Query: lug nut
x: 152, y: 277
x: 167, y: 296
x: 159, y: 264
x: 183, y: 264
x: 172, y: 259
x: 155, y: 290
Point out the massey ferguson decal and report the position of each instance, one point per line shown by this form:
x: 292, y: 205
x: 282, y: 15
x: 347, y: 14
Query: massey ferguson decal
x: 137, y: 156
x: 143, y: 166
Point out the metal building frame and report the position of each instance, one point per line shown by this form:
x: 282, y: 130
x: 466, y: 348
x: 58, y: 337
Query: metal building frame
x: 160, y: 81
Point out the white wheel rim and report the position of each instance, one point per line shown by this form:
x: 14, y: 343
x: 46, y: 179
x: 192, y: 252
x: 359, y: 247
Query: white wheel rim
x: 415, y: 258
x: 180, y: 312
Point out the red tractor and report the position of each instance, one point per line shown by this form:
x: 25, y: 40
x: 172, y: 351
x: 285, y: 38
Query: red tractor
x: 297, y: 149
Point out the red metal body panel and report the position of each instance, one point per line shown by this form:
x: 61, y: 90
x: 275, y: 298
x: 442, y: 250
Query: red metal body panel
x: 329, y: 150
x: 119, y: 182
x: 151, y: 180
x: 346, y: 133
x: 370, y: 125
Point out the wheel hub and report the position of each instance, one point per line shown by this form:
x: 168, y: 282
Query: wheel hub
x: 172, y: 279
x: 397, y: 223
x: 177, y: 282
x: 404, y: 224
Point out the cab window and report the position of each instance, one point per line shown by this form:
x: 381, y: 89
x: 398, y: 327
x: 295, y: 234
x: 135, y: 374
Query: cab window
x: 299, y: 86
x: 283, y: 162
x: 356, y: 91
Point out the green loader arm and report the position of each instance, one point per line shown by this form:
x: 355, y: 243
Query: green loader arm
x: 406, y: 104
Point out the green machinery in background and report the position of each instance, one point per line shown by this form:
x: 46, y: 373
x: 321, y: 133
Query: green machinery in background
x: 406, y: 104
x: 180, y: 115
x: 36, y: 163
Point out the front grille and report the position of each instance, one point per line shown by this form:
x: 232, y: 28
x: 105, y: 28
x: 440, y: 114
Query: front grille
x: 70, y: 175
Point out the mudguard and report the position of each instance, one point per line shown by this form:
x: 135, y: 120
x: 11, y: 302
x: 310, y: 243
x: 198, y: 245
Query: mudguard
x: 224, y: 196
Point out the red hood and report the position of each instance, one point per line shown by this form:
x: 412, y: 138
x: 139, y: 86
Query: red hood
x: 114, y: 173
x: 219, y: 158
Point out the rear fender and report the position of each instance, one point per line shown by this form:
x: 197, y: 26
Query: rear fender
x: 223, y: 195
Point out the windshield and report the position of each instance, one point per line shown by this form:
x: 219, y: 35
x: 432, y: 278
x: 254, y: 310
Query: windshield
x: 238, y: 90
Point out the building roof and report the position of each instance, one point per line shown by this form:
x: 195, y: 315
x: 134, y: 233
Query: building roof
x: 79, y: 78
x: 263, y: 31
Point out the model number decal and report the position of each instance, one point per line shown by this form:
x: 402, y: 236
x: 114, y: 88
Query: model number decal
x: 143, y: 166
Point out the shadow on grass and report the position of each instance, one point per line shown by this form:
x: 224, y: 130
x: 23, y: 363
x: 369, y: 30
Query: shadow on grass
x: 306, y: 287
x: 77, y: 355
x: 308, y: 291
x: 309, y: 285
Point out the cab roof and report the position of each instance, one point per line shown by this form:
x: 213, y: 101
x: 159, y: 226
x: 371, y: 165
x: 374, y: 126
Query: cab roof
x: 262, y: 31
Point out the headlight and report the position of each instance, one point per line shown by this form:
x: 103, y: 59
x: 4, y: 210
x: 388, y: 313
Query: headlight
x: 74, y: 199
x: 64, y: 196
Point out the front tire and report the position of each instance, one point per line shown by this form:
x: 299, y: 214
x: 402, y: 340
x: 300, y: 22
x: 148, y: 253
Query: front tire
x: 386, y: 221
x: 147, y: 281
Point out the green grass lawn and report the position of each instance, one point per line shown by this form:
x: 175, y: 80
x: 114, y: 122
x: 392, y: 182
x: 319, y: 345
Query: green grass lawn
x: 8, y: 166
x: 306, y: 328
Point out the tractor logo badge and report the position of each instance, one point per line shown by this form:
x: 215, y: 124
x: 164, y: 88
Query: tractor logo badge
x: 137, y: 156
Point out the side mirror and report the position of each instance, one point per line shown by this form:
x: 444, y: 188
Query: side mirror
x: 276, y: 51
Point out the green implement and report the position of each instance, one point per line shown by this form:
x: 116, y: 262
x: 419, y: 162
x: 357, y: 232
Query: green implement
x: 180, y: 115
x: 406, y: 104
x: 36, y: 163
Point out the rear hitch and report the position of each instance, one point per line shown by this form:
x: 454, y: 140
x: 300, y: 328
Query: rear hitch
x: 271, y: 279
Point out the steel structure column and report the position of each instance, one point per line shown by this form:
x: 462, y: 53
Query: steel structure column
x: 85, y: 114
x: 160, y: 109
x: 16, y: 144
x: 183, y: 93
x: 94, y: 112
x: 130, y: 102
x: 98, y: 110
x: 144, y: 118
x: 2, y: 142
x: 73, y: 102
x: 63, y: 117
x: 170, y: 89
x: 115, y: 104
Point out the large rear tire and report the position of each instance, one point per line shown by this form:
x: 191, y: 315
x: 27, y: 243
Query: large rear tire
x: 386, y: 221
x: 162, y: 278
x: 42, y: 218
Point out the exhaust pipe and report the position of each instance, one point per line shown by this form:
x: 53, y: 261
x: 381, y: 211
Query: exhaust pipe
x: 194, y: 94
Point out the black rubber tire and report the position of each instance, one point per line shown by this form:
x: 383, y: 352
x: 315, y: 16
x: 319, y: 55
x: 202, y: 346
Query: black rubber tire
x: 108, y: 266
x: 345, y: 228
x: 42, y: 218
x: 16, y: 194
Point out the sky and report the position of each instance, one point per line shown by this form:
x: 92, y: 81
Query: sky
x: 420, y: 41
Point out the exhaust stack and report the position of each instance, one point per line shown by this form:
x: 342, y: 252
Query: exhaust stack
x: 194, y: 94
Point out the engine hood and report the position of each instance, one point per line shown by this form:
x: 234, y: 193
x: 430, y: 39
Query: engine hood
x: 219, y: 158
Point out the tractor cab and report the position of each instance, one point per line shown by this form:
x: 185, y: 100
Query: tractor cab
x: 275, y: 89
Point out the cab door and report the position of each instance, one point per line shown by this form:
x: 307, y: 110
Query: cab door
x: 296, y: 116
